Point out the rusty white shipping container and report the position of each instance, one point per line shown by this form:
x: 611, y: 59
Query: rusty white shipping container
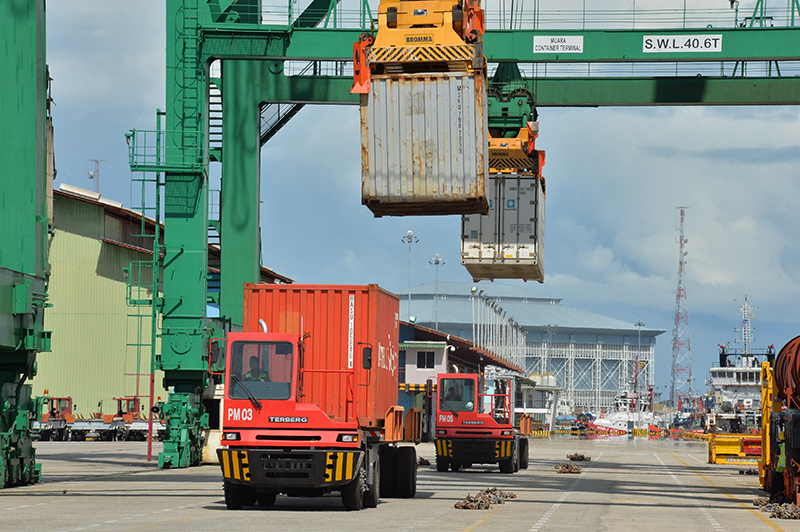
x: 508, y: 243
x: 424, y: 144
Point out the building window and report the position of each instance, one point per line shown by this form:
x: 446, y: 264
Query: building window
x: 425, y: 359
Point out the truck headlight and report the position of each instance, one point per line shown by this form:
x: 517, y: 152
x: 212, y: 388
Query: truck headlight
x: 506, y: 433
x: 348, y: 438
x: 231, y: 436
x: 441, y: 431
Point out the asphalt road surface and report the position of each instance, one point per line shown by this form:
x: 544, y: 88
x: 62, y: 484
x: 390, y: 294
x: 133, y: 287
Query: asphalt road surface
x: 631, y: 484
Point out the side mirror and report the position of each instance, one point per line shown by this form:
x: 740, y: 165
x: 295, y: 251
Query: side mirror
x: 367, y: 358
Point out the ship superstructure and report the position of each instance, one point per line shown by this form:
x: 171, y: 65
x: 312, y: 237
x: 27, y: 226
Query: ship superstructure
x: 734, y: 402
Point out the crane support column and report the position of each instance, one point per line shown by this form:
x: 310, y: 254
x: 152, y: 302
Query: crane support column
x: 241, y: 191
x: 184, y: 336
x: 24, y: 140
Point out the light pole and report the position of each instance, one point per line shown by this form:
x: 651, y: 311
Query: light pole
x: 436, y: 261
x: 639, y: 324
x: 473, y: 291
x: 411, y: 239
x: 552, y: 329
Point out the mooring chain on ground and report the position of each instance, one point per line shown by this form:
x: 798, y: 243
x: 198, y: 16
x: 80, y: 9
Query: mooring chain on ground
x: 778, y: 507
x: 483, y: 500
x: 579, y: 457
x: 568, y: 468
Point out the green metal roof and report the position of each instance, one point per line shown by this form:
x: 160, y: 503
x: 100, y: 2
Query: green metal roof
x: 406, y: 345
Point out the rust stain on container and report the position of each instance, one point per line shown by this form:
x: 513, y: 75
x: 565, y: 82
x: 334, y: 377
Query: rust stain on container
x: 424, y: 144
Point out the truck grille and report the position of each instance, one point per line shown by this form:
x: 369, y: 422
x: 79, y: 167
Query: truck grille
x: 280, y: 465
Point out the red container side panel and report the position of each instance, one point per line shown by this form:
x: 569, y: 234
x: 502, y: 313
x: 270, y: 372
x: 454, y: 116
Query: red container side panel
x: 337, y: 323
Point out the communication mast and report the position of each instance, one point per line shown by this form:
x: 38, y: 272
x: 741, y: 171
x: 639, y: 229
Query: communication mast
x: 681, y: 390
x: 95, y: 175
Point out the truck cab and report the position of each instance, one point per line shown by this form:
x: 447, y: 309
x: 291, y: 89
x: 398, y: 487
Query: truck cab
x: 475, y: 423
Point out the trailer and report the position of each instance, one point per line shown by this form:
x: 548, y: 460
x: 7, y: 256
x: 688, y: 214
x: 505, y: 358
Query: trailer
x: 310, y: 402
x: 475, y: 422
x: 58, y: 423
x: 53, y: 424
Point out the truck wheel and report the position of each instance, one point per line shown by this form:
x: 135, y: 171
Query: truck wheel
x: 454, y: 466
x: 372, y: 495
x: 442, y: 465
x: 406, y: 479
x: 523, y: 453
x: 353, y: 493
x: 507, y: 466
x: 516, y: 456
x: 266, y: 499
x: 386, y: 460
x: 233, y: 495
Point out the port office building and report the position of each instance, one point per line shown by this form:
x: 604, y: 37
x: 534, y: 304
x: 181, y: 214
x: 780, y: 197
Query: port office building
x: 101, y: 344
x: 591, y: 357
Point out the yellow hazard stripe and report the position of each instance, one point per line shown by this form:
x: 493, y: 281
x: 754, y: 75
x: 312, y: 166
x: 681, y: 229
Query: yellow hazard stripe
x: 339, y: 466
x: 444, y: 448
x: 235, y: 465
x: 461, y: 52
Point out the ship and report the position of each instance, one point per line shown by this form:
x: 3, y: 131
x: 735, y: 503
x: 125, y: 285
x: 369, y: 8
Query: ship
x: 630, y: 411
x: 734, y: 403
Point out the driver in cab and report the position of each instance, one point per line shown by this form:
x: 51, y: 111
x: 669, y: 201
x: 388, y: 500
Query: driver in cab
x: 256, y: 373
x: 452, y: 395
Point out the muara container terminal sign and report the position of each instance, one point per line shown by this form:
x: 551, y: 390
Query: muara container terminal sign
x: 569, y: 44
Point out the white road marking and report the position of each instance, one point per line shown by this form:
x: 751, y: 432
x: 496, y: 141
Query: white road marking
x: 713, y: 522
x: 549, y: 513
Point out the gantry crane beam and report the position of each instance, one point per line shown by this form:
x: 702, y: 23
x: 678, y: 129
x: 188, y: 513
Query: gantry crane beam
x: 254, y: 41
x: 572, y: 92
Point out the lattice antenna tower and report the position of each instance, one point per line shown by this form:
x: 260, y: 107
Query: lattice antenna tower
x: 747, y: 330
x: 681, y: 389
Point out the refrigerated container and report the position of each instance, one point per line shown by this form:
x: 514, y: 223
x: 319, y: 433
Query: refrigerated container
x: 508, y: 243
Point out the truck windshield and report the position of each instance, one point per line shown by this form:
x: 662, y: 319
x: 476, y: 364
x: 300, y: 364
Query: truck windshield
x: 457, y: 395
x: 261, y: 370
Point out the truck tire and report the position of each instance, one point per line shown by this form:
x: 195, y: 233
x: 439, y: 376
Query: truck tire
x: 372, y: 496
x: 523, y: 453
x: 234, y: 496
x: 455, y: 466
x: 386, y: 460
x: 406, y: 479
x: 442, y: 465
x: 509, y: 464
x: 266, y: 499
x: 353, y: 493
x: 517, y: 457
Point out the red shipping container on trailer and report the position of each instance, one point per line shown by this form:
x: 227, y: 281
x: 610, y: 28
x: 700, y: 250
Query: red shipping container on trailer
x: 337, y: 321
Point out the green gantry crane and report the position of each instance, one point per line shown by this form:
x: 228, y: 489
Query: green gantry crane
x: 25, y: 179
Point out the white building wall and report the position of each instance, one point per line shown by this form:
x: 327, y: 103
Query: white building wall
x: 415, y: 375
x: 592, y: 375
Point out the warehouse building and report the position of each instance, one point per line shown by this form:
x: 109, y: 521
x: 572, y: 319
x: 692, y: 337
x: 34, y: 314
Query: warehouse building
x: 101, y: 345
x: 591, y: 357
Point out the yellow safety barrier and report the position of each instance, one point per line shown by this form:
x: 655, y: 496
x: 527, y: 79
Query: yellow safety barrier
x: 640, y: 433
x: 739, y: 449
x: 688, y: 435
x: 541, y: 434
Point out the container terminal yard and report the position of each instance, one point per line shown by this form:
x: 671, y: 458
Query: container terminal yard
x: 317, y: 403
x: 628, y: 485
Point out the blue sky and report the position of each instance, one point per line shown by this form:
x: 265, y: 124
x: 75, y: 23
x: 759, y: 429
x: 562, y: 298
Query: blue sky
x: 614, y: 179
